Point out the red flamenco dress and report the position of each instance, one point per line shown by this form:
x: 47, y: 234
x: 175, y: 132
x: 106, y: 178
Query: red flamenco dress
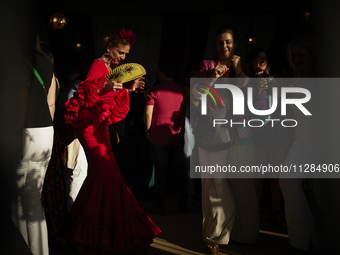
x: 105, y: 218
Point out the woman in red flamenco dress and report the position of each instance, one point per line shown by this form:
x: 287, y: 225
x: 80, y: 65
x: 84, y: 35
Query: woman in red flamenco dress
x: 105, y: 218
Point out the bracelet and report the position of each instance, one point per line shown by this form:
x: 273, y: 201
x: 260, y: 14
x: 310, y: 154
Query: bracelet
x: 240, y: 74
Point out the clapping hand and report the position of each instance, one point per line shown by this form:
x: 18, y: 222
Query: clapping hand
x: 138, y: 85
x: 236, y: 62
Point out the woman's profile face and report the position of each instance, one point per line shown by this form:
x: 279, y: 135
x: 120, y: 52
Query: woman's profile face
x: 225, y: 46
x: 261, y: 62
x: 118, y: 53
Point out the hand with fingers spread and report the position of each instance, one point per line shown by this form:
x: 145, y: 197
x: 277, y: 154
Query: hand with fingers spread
x: 137, y: 85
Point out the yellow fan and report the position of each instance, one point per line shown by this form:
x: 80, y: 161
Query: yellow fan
x: 126, y: 72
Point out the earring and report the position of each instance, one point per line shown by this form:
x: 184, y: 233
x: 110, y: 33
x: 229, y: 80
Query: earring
x: 106, y: 58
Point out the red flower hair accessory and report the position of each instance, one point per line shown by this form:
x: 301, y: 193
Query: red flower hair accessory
x: 128, y: 35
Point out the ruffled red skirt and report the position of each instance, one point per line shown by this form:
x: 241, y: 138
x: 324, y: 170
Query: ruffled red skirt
x: 106, y: 218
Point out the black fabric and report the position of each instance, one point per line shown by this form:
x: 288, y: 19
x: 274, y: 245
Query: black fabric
x: 38, y: 114
x: 220, y: 137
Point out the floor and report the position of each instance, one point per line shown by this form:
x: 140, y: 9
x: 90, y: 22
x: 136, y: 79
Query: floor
x: 181, y: 234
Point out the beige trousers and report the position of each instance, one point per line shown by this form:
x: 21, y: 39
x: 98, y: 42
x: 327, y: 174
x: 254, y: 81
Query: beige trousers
x: 229, y: 206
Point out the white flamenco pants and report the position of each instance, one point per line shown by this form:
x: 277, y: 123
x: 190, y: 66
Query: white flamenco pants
x: 27, y: 212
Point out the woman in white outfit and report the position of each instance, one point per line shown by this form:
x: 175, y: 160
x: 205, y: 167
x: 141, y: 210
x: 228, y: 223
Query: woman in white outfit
x: 37, y: 141
x: 229, y: 206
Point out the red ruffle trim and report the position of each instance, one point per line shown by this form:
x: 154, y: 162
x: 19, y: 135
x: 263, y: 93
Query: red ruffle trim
x: 88, y: 106
x: 107, y: 219
x: 96, y: 238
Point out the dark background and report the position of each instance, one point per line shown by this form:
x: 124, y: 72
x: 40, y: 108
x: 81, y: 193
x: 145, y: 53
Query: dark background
x: 186, y: 27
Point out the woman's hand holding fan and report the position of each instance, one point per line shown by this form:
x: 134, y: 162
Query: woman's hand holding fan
x: 126, y: 72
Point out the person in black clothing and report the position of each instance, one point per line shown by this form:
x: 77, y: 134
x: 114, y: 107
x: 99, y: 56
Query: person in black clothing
x: 36, y: 130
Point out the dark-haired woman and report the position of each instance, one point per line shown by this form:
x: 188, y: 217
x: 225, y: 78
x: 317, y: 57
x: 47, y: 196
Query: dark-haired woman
x: 228, y: 205
x: 105, y: 218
